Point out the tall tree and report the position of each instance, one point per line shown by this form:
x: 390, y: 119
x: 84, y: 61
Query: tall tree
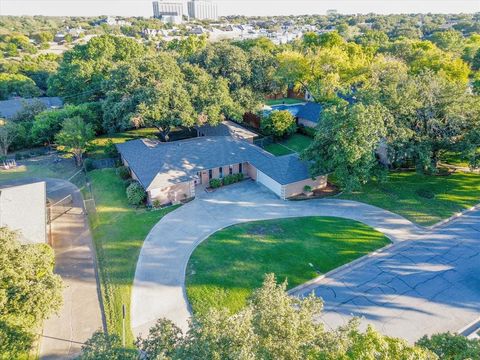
x: 8, y: 134
x: 74, y: 137
x: 345, y: 143
x: 85, y: 67
x: 29, y: 292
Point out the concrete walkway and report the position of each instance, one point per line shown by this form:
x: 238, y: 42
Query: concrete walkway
x: 80, y: 316
x: 158, y: 289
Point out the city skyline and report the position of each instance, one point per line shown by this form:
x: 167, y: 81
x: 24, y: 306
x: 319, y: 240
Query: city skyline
x: 235, y: 7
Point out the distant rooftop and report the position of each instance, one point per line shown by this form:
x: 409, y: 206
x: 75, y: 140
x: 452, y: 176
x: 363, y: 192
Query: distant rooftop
x: 164, y: 164
x: 226, y: 128
x: 308, y: 110
x: 9, y: 108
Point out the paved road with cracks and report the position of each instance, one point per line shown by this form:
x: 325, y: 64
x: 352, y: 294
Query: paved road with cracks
x: 425, y: 283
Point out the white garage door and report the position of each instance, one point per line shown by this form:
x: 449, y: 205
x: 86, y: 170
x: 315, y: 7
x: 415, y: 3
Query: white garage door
x: 269, y: 183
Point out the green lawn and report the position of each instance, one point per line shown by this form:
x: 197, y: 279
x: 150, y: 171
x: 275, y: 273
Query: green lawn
x: 406, y: 193
x: 225, y: 269
x: 287, y: 101
x: 97, y: 148
x: 118, y: 231
x: 295, y: 143
x: 41, y: 167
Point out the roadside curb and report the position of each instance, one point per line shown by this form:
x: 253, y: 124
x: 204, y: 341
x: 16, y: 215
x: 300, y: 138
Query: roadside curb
x: 314, y: 283
x: 453, y: 217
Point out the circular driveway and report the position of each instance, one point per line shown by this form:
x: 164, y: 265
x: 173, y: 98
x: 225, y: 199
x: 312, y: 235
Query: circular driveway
x: 159, y: 285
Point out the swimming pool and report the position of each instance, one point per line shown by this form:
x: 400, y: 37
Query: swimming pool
x: 293, y: 109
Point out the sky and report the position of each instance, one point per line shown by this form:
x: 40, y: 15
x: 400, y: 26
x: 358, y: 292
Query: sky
x: 237, y: 7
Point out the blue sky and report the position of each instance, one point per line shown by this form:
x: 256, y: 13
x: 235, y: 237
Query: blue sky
x: 243, y: 7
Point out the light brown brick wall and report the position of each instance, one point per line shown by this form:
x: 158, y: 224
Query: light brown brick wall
x: 297, y: 188
x: 167, y: 194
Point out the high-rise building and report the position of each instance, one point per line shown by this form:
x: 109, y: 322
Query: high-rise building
x: 169, y: 11
x: 202, y: 10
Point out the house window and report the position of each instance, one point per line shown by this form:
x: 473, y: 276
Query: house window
x: 220, y: 170
x: 240, y: 168
x: 210, y: 174
x: 230, y: 169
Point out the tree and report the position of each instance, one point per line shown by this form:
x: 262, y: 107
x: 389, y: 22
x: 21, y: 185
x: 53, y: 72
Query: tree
x: 8, y: 134
x: 102, y: 346
x: 148, y: 92
x: 273, y: 325
x: 345, y: 143
x: 29, y: 291
x: 48, y: 123
x: 162, y: 342
x: 74, y: 137
x: 84, y: 68
x: 225, y: 60
x: 451, y: 346
x: 448, y: 40
x: 17, y: 84
x: 279, y: 123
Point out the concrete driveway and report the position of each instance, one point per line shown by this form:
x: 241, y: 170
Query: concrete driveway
x: 158, y: 289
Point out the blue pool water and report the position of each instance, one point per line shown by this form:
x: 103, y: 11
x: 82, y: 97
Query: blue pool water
x: 293, y: 109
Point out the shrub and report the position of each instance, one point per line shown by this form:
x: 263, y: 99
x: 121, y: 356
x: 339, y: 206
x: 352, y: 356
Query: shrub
x: 307, y: 188
x: 239, y: 176
x: 135, y: 193
x: 110, y: 148
x: 305, y: 130
x: 229, y: 179
x: 123, y: 172
x: 156, y: 204
x: 215, y: 183
x: 88, y: 163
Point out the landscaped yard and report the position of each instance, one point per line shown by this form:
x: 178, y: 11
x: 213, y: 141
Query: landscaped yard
x: 118, y: 231
x: 287, y: 101
x: 295, y: 143
x: 44, y: 166
x: 225, y: 269
x: 423, y: 199
x: 98, y: 146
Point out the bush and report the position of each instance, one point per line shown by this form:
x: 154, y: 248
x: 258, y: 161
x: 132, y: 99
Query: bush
x: 307, y: 188
x: 279, y: 124
x: 135, y: 193
x: 88, y: 163
x: 229, y: 179
x: 156, y: 204
x: 239, y: 176
x: 111, y: 149
x: 215, y: 183
x: 307, y: 131
x: 123, y: 172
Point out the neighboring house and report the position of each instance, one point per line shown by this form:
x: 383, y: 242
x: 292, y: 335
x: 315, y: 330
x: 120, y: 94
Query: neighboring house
x: 227, y: 128
x: 309, y: 114
x: 23, y: 209
x: 172, y: 172
x: 9, y: 108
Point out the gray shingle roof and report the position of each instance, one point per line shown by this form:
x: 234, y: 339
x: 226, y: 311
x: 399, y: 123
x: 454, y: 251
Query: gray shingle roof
x: 9, y: 108
x: 310, y: 111
x: 180, y: 161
